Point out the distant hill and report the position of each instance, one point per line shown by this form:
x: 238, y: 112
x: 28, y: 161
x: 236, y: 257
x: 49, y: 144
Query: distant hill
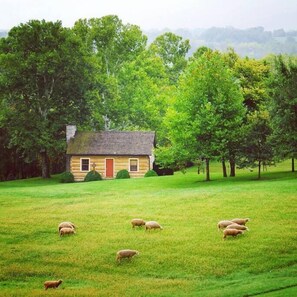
x: 252, y: 42
x: 3, y: 33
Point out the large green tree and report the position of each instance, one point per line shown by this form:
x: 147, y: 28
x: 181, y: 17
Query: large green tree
x: 112, y: 44
x: 207, y: 113
x: 45, y: 81
x: 256, y: 147
x: 283, y: 107
x: 172, y: 49
x: 143, y: 89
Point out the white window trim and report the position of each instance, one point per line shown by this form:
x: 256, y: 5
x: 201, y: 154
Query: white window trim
x: 81, y: 164
x: 137, y: 159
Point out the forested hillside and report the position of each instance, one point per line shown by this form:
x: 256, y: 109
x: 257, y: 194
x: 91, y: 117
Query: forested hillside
x: 252, y: 42
x: 103, y: 74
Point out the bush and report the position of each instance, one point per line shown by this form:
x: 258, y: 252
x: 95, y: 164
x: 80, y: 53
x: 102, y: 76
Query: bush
x: 123, y: 174
x: 67, y: 177
x: 92, y: 176
x: 150, y: 173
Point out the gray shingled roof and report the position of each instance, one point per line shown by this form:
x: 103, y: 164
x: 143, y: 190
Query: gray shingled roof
x: 112, y: 143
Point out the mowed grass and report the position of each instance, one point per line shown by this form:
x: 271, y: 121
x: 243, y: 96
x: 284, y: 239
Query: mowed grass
x: 187, y: 258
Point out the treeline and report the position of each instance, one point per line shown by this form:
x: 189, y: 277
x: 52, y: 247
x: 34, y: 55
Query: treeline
x: 252, y: 42
x: 103, y: 75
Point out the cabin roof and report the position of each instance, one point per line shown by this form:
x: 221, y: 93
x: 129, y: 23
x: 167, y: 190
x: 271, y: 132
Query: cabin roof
x: 134, y: 143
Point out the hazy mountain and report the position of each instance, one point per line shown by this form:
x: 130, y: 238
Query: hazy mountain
x: 252, y: 42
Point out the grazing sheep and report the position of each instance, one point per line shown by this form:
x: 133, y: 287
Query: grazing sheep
x: 126, y: 254
x: 240, y: 221
x: 66, y: 225
x: 231, y: 232
x: 152, y: 225
x: 238, y: 227
x: 137, y: 222
x: 64, y: 231
x: 52, y: 284
x: 224, y: 224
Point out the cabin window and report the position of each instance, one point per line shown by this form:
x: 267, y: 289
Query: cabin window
x: 85, y: 164
x: 133, y: 164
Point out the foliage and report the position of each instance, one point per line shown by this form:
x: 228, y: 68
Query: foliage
x: 143, y: 88
x: 67, y: 177
x: 172, y: 50
x: 187, y: 258
x: 122, y: 174
x: 92, y: 176
x: 150, y: 173
x: 112, y: 44
x: 283, y: 107
x: 45, y: 82
x: 206, y: 115
x: 256, y: 147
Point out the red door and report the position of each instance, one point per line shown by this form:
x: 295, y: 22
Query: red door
x: 109, y: 168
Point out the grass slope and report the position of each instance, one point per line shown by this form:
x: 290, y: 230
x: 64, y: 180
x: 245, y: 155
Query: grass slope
x: 187, y: 258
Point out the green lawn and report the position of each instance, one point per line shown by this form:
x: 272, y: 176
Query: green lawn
x: 187, y: 258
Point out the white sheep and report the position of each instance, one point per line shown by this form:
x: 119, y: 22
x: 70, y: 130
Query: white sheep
x: 232, y: 232
x: 240, y: 221
x: 137, y: 222
x: 65, y: 231
x: 66, y: 225
x: 238, y: 227
x: 224, y: 224
x: 152, y: 225
x: 52, y: 284
x: 126, y: 254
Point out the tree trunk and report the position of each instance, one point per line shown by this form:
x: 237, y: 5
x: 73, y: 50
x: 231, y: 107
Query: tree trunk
x: 67, y: 163
x: 45, y: 164
x: 207, y: 169
x: 293, y: 165
x: 224, y: 168
x: 259, y: 170
x: 232, y: 167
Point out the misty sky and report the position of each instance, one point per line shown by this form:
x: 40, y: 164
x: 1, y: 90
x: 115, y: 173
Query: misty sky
x: 157, y: 14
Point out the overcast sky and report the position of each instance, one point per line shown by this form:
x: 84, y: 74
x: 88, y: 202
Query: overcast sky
x: 157, y: 14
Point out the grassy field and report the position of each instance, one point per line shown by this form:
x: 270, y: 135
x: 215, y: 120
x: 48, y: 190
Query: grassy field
x: 187, y: 258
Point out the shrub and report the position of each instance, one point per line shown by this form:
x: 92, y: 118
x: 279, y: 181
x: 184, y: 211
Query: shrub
x: 92, y: 176
x: 150, y: 173
x: 67, y: 177
x: 123, y: 174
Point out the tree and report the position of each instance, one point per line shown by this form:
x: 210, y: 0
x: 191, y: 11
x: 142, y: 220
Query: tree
x: 45, y: 77
x: 283, y: 107
x: 252, y: 75
x: 256, y: 147
x: 112, y: 44
x: 207, y: 113
x: 172, y: 50
x: 143, y: 89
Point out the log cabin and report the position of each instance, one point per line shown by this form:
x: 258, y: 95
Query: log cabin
x: 109, y: 152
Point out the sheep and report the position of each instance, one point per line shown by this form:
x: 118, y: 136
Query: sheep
x: 152, y: 225
x: 232, y: 232
x: 67, y: 225
x: 240, y: 221
x: 224, y: 224
x: 65, y: 230
x: 137, y: 222
x: 52, y: 284
x: 238, y: 227
x: 126, y: 254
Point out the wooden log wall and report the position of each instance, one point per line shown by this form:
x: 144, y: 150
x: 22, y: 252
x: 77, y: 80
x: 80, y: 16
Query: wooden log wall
x: 119, y: 163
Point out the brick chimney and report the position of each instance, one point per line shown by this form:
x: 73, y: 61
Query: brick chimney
x: 70, y: 132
